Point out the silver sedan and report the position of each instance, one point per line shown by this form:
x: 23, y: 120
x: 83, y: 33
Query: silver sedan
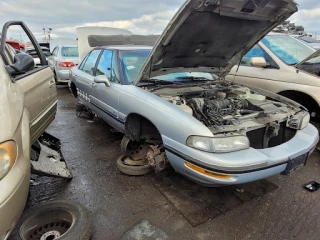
x: 62, y: 59
x: 174, y: 106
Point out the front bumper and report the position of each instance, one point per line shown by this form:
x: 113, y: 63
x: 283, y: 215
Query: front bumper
x: 14, y: 188
x: 242, y: 166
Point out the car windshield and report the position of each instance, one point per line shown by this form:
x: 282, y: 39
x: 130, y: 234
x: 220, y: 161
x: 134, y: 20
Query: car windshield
x: 290, y: 50
x: 69, y: 52
x: 309, y: 39
x: 131, y: 62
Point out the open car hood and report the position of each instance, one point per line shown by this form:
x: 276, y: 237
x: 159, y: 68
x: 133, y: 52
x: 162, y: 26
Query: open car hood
x: 212, y: 35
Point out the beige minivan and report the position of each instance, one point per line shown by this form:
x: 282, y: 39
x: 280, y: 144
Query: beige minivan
x: 28, y: 101
x: 284, y: 65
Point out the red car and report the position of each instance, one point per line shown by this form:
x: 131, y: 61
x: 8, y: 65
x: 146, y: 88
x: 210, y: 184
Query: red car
x: 16, y: 45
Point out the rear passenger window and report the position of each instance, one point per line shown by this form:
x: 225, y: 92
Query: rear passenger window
x: 83, y: 61
x: 104, y: 65
x: 88, y: 66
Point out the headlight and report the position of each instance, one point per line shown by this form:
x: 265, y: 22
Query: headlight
x: 8, y: 155
x: 299, y: 121
x: 219, y: 144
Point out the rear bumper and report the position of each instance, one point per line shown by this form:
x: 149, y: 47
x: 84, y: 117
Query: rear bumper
x: 242, y: 166
x: 63, y: 75
x: 14, y: 188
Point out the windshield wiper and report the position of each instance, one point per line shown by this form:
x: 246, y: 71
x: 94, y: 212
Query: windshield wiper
x: 153, y: 81
x: 193, y: 78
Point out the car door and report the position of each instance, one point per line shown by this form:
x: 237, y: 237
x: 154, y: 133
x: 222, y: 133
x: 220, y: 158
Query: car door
x: 37, y: 84
x: 106, y: 99
x: 248, y: 74
x: 85, y: 76
x: 52, y: 58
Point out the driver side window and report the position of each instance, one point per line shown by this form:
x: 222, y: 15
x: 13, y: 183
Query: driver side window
x: 257, y: 51
x: 107, y: 65
x: 88, y: 66
x: 104, y: 64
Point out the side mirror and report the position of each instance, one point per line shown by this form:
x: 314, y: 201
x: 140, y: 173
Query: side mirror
x: 23, y: 63
x: 102, y: 79
x: 258, y: 62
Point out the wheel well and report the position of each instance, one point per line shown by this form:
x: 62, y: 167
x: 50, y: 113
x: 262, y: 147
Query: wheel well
x: 139, y: 128
x: 303, y: 99
x: 73, y: 89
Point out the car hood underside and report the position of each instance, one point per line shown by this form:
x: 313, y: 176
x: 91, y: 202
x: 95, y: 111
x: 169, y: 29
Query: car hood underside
x: 213, y: 35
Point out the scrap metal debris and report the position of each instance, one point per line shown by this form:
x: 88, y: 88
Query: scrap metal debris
x: 47, y: 159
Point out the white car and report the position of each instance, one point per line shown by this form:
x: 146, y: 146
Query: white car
x: 286, y: 66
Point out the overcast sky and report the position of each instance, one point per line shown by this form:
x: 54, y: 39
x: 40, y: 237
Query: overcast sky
x: 138, y: 16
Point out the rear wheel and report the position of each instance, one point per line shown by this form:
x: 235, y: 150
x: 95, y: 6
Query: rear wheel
x: 55, y: 77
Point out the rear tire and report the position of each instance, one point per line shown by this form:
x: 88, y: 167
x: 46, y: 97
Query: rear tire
x: 55, y: 78
x: 132, y: 170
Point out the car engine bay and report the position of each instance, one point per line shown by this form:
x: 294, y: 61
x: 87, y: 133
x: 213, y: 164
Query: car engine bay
x: 227, y: 109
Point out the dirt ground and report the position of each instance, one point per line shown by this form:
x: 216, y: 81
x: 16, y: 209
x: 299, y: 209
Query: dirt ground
x: 276, y: 208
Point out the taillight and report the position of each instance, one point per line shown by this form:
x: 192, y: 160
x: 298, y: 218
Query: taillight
x: 66, y: 64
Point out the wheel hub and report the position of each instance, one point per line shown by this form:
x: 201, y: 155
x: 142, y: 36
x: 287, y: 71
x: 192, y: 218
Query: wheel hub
x: 51, y: 235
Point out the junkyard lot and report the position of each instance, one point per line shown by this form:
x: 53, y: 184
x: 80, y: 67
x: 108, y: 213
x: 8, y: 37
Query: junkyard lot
x: 118, y: 202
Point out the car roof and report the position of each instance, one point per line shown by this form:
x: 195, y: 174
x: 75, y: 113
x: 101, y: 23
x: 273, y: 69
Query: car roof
x: 127, y: 47
x: 68, y: 45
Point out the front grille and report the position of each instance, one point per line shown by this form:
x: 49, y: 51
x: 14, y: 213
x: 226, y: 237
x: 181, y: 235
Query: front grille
x: 256, y: 137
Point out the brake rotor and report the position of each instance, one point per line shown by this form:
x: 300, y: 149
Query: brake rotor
x: 139, y: 153
x: 134, y: 150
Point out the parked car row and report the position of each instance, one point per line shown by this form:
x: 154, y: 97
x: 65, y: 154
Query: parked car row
x: 172, y: 101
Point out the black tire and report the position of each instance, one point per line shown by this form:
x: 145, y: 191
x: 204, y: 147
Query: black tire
x: 55, y: 78
x: 68, y: 219
x: 132, y: 170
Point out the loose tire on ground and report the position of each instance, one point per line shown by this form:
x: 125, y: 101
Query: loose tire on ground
x: 63, y: 220
x: 132, y: 170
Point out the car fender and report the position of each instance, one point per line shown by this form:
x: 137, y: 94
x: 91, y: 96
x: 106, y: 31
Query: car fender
x: 169, y: 119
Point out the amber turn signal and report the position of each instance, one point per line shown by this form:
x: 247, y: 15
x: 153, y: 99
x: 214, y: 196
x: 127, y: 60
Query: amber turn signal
x: 206, y: 172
